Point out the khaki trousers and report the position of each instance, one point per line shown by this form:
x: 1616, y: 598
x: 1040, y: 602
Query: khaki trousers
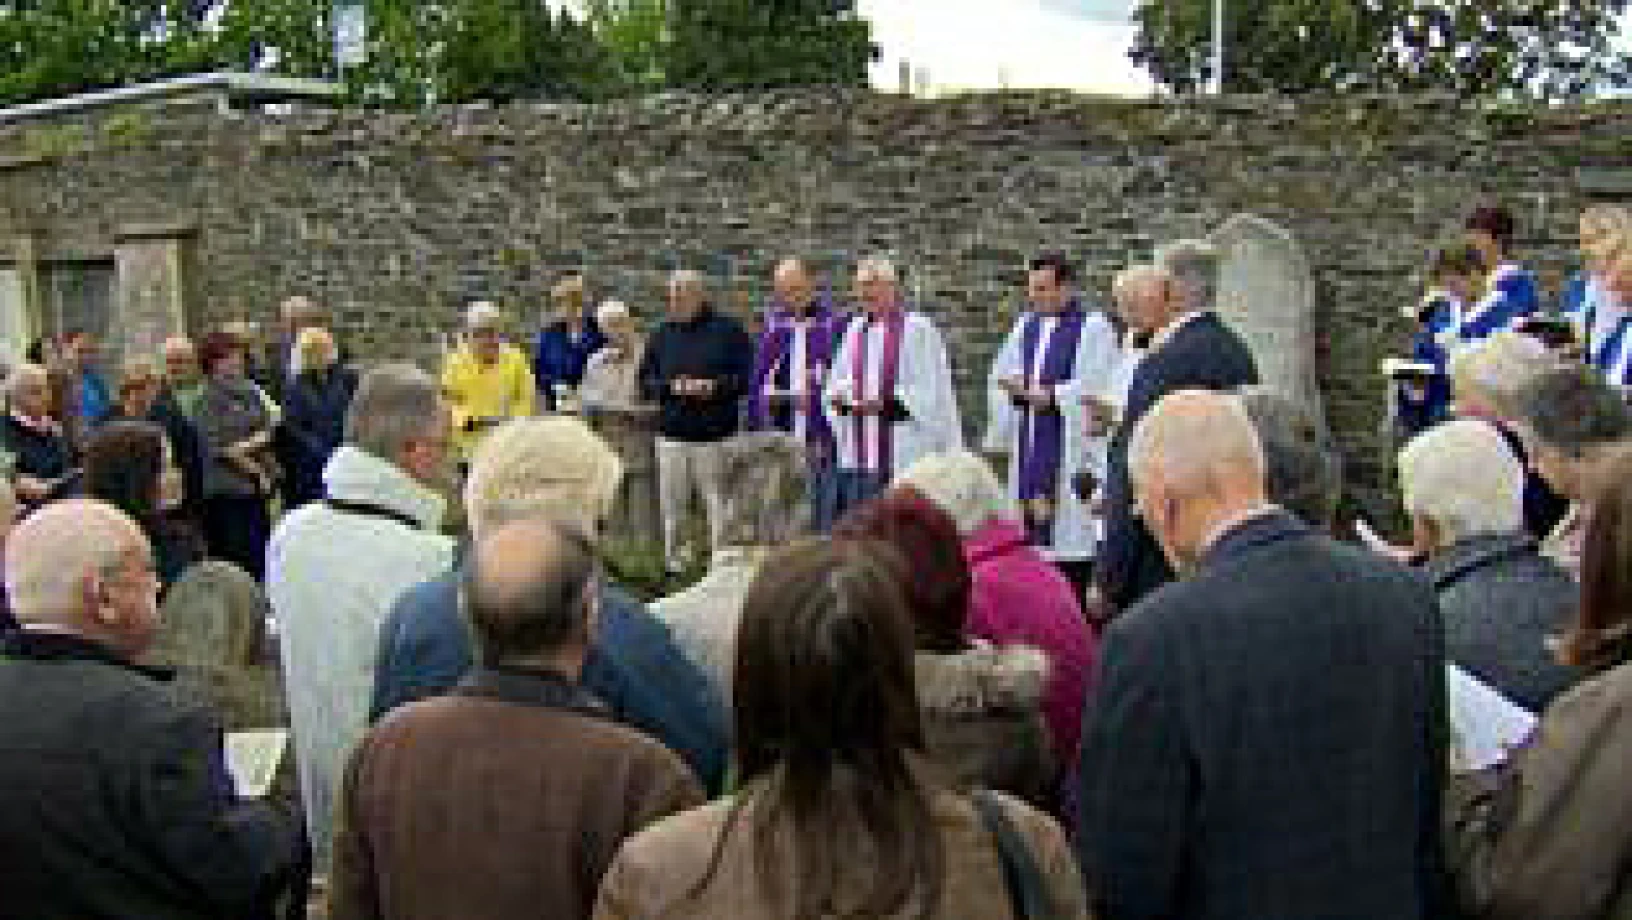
x: 685, y: 468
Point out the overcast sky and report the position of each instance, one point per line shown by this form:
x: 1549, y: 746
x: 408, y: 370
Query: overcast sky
x: 1020, y: 43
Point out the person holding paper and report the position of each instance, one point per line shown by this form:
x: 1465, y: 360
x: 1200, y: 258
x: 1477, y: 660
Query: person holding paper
x: 696, y: 370
x: 115, y: 799
x: 487, y: 381
x: 1057, y: 354
x: 889, y: 394
x: 1547, y: 833
x: 802, y: 331
x: 1499, y: 598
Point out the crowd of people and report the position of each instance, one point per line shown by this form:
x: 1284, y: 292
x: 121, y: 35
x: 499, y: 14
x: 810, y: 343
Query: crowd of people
x: 1121, y: 658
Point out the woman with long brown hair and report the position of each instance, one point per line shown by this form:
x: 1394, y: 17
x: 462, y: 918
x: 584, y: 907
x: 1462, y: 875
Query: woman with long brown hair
x: 839, y: 813
x: 1548, y: 833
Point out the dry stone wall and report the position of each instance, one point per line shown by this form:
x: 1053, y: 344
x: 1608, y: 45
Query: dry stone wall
x: 396, y: 219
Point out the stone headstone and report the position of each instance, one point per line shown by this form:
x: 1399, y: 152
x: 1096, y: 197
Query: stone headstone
x: 1267, y: 294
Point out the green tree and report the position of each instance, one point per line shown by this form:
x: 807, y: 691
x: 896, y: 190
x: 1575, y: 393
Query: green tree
x: 739, y: 44
x: 635, y: 36
x: 1535, y: 48
x: 469, y: 50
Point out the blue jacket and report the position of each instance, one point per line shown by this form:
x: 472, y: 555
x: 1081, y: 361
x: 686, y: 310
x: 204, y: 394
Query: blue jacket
x: 1513, y: 294
x: 1434, y: 406
x: 557, y: 358
x: 633, y: 666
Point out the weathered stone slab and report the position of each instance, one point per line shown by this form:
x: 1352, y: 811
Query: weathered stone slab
x: 1267, y: 293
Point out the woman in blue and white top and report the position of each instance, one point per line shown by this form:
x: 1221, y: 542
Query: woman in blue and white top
x: 1599, y: 315
x: 1456, y: 277
x: 1511, y: 291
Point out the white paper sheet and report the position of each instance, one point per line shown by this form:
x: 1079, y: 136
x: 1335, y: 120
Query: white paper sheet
x: 253, y: 757
x: 1485, y: 725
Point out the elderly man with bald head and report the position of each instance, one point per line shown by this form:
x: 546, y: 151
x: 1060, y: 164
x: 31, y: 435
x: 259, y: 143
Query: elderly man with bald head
x: 114, y: 798
x: 1190, y: 347
x: 508, y: 797
x: 796, y: 348
x: 1268, y: 737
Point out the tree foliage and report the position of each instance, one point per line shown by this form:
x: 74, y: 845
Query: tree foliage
x: 732, y: 44
x: 424, y: 51
x: 1533, y: 48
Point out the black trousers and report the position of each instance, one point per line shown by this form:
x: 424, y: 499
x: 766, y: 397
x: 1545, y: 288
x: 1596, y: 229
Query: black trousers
x: 236, y: 530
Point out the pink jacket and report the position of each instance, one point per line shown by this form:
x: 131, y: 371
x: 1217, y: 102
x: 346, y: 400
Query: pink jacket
x: 1020, y: 598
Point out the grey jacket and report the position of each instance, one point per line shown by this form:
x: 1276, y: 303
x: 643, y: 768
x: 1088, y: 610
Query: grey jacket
x: 1500, y: 600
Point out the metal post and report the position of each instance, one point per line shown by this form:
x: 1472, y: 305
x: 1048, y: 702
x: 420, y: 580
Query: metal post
x: 1218, y: 47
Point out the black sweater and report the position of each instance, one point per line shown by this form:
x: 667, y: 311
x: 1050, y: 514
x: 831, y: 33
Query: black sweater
x: 711, y: 347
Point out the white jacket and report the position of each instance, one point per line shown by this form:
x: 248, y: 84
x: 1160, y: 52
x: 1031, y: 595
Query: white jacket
x: 332, y: 577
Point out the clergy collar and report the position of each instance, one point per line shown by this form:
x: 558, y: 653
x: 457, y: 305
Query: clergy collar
x: 1165, y: 334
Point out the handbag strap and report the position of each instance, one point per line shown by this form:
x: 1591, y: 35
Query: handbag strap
x: 1028, y: 893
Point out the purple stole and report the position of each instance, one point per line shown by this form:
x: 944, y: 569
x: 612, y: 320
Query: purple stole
x: 894, y: 325
x: 772, y: 368
x: 1042, y: 434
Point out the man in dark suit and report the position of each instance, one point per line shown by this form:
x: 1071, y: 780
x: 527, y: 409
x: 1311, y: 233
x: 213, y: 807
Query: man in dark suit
x: 1268, y: 736
x: 115, y: 800
x: 1190, y: 348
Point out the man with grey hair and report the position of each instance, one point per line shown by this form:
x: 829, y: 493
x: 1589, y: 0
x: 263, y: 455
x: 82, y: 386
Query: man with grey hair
x: 889, y: 394
x: 1302, y: 469
x: 696, y: 369
x: 114, y: 795
x: 763, y: 510
x: 555, y: 469
x: 1499, y: 598
x: 1190, y: 348
x: 1282, y: 705
x: 336, y: 566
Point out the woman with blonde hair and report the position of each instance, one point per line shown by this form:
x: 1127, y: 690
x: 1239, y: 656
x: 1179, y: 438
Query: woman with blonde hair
x: 314, y: 412
x: 1587, y: 299
x: 566, y: 342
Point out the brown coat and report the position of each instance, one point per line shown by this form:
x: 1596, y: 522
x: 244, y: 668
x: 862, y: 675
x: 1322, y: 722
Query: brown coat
x: 656, y: 870
x: 508, y: 804
x: 1548, y: 836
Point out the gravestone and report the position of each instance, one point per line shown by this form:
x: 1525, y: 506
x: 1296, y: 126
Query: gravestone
x: 1267, y: 294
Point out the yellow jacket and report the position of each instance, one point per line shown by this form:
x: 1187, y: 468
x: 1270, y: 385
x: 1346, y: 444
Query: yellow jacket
x: 487, y: 392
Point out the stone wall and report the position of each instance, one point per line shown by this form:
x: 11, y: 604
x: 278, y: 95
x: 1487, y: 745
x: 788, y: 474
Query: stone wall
x: 394, y: 220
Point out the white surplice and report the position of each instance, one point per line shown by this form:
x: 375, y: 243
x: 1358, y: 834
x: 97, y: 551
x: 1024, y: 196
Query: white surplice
x: 923, y: 383
x: 1095, y: 372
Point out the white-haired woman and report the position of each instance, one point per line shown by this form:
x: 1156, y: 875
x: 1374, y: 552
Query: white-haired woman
x: 610, y: 399
x: 1487, y: 378
x: 1499, y: 597
x: 41, y: 455
x: 1018, y: 597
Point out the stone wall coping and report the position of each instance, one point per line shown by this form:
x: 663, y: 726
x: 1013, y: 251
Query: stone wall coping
x: 130, y: 233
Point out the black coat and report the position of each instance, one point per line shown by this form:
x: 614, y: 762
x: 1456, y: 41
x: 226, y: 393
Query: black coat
x: 1268, y: 740
x: 1204, y: 354
x: 114, y: 801
x: 35, y: 453
x: 1502, y: 600
x: 713, y: 347
x: 314, y: 423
